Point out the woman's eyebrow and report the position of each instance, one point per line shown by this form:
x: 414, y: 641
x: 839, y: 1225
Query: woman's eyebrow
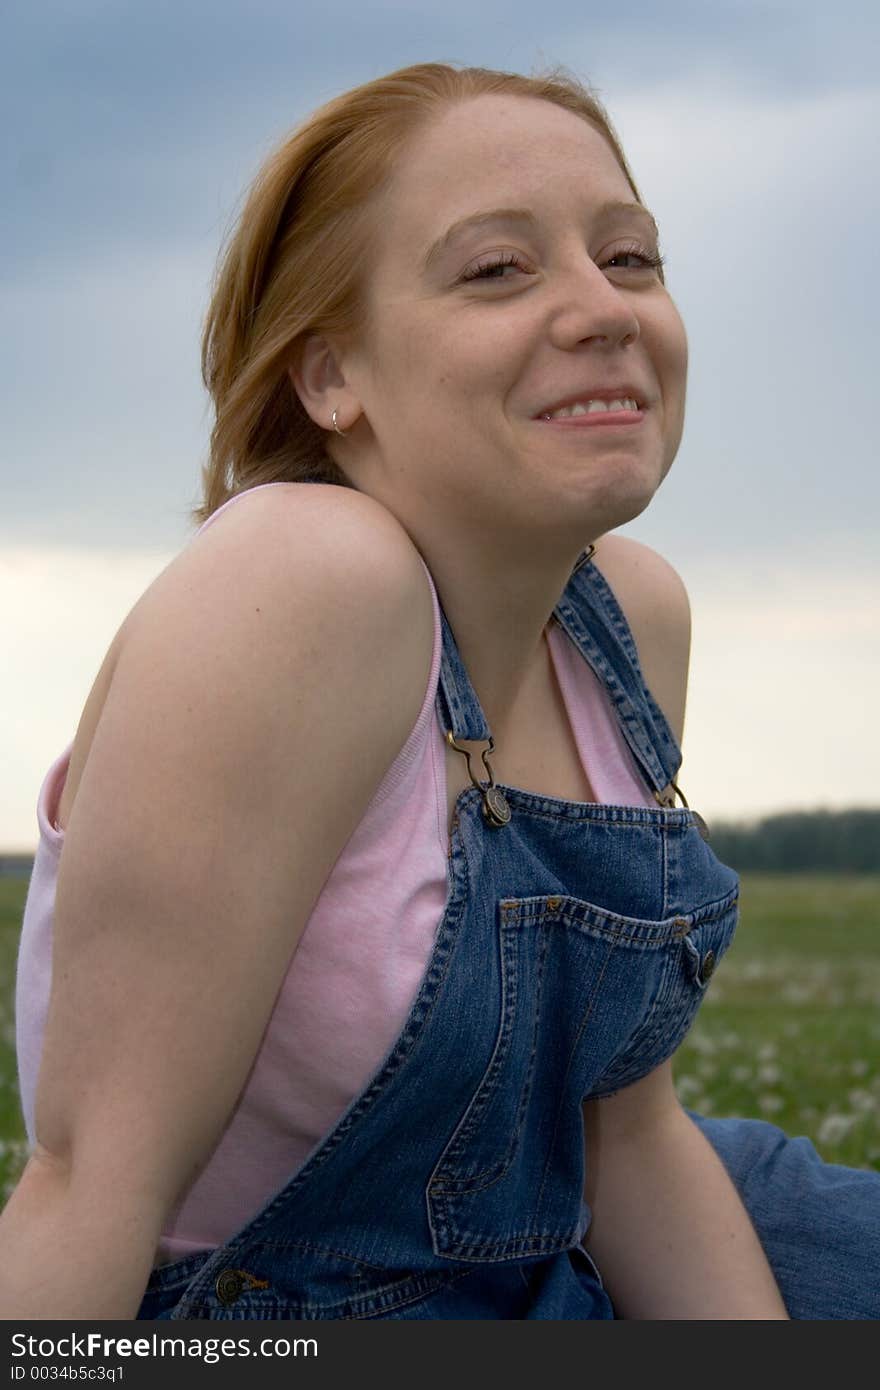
x: 476, y: 219
x: 617, y: 205
x: 525, y: 216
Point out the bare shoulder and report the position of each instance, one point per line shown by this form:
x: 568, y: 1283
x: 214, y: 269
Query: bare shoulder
x: 655, y: 602
x: 294, y: 526
x: 294, y: 554
x: 318, y: 597
x: 321, y: 555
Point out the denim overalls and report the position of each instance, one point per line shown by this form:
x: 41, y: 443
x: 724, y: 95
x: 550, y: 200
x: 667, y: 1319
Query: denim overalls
x: 575, y: 947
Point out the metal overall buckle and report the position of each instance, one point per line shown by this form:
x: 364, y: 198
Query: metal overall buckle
x: 667, y: 798
x: 496, y: 810
x: 586, y: 556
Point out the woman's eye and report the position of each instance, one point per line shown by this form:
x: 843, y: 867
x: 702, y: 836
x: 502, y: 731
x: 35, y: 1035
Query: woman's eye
x: 647, y: 260
x: 494, y: 268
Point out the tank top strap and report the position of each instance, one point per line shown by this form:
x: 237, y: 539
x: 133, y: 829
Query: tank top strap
x: 591, y: 616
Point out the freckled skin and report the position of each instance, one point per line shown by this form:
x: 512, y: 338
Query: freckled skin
x: 449, y: 375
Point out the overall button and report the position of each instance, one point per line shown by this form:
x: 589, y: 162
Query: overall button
x: 707, y: 966
x: 229, y: 1286
x: 495, y: 808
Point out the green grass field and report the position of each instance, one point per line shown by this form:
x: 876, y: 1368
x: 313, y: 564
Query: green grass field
x: 789, y: 1030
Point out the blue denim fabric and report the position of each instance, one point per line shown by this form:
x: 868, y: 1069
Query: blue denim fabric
x: 569, y: 963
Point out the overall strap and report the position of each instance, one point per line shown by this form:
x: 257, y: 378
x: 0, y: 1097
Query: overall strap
x: 595, y: 622
x: 461, y: 715
x: 460, y: 710
x: 589, y: 612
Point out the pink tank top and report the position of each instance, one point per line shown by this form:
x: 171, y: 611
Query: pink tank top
x: 357, y: 968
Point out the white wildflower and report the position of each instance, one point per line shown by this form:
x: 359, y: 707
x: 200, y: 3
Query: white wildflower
x: 754, y: 970
x: 836, y: 1127
x: 770, y: 1103
x: 794, y: 993
x: 688, y: 1087
x: 862, y: 1100
x: 769, y: 1073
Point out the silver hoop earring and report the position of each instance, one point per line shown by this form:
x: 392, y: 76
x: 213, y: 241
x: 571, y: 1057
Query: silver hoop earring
x: 336, y: 427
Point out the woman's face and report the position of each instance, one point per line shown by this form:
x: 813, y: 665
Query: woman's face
x: 475, y: 332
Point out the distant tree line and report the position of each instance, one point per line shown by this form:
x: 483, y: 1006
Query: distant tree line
x: 16, y: 865
x: 792, y: 841
x: 802, y: 842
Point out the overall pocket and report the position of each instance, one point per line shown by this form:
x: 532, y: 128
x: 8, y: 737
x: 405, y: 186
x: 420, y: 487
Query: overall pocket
x: 581, y: 988
x: 692, y: 959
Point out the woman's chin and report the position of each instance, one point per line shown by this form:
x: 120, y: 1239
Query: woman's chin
x: 615, y: 498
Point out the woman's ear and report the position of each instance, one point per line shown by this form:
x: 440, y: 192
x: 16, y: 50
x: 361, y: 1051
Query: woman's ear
x: 320, y: 383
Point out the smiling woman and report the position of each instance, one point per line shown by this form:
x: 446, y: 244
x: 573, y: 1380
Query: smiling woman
x: 445, y: 389
x: 381, y: 771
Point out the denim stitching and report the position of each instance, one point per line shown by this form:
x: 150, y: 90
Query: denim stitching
x: 395, y: 1293
x: 632, y: 724
x: 631, y: 931
x: 487, y: 1251
x: 540, y: 807
x: 487, y: 1086
x: 655, y: 1032
x: 417, y: 1298
x: 639, y: 1044
x: 354, y: 1307
x: 467, y: 717
x: 250, y: 1251
x: 664, y: 870
x: 589, y: 588
x: 624, y: 631
x: 466, y: 1243
x: 588, y: 1013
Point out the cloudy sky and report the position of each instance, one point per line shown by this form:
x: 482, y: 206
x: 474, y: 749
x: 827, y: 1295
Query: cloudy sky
x: 752, y: 129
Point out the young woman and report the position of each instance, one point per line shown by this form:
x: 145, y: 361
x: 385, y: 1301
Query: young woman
x: 376, y: 924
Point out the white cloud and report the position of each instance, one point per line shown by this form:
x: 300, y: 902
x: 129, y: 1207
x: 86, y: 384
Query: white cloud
x: 785, y: 684
x: 61, y: 610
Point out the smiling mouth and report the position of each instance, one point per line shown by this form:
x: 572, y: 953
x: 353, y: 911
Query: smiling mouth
x: 597, y: 407
x: 592, y: 406
x: 594, y: 419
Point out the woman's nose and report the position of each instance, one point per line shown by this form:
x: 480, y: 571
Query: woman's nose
x: 590, y: 306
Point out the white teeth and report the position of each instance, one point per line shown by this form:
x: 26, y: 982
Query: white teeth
x: 590, y: 407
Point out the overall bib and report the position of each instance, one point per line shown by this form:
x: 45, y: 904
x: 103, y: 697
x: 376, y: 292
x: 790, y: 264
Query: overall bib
x: 575, y: 947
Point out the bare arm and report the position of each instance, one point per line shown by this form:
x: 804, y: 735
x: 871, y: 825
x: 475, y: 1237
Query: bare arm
x: 669, y: 1232
x: 290, y: 641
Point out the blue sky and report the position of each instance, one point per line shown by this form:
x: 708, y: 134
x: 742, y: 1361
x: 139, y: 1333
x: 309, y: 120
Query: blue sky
x: 132, y: 132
